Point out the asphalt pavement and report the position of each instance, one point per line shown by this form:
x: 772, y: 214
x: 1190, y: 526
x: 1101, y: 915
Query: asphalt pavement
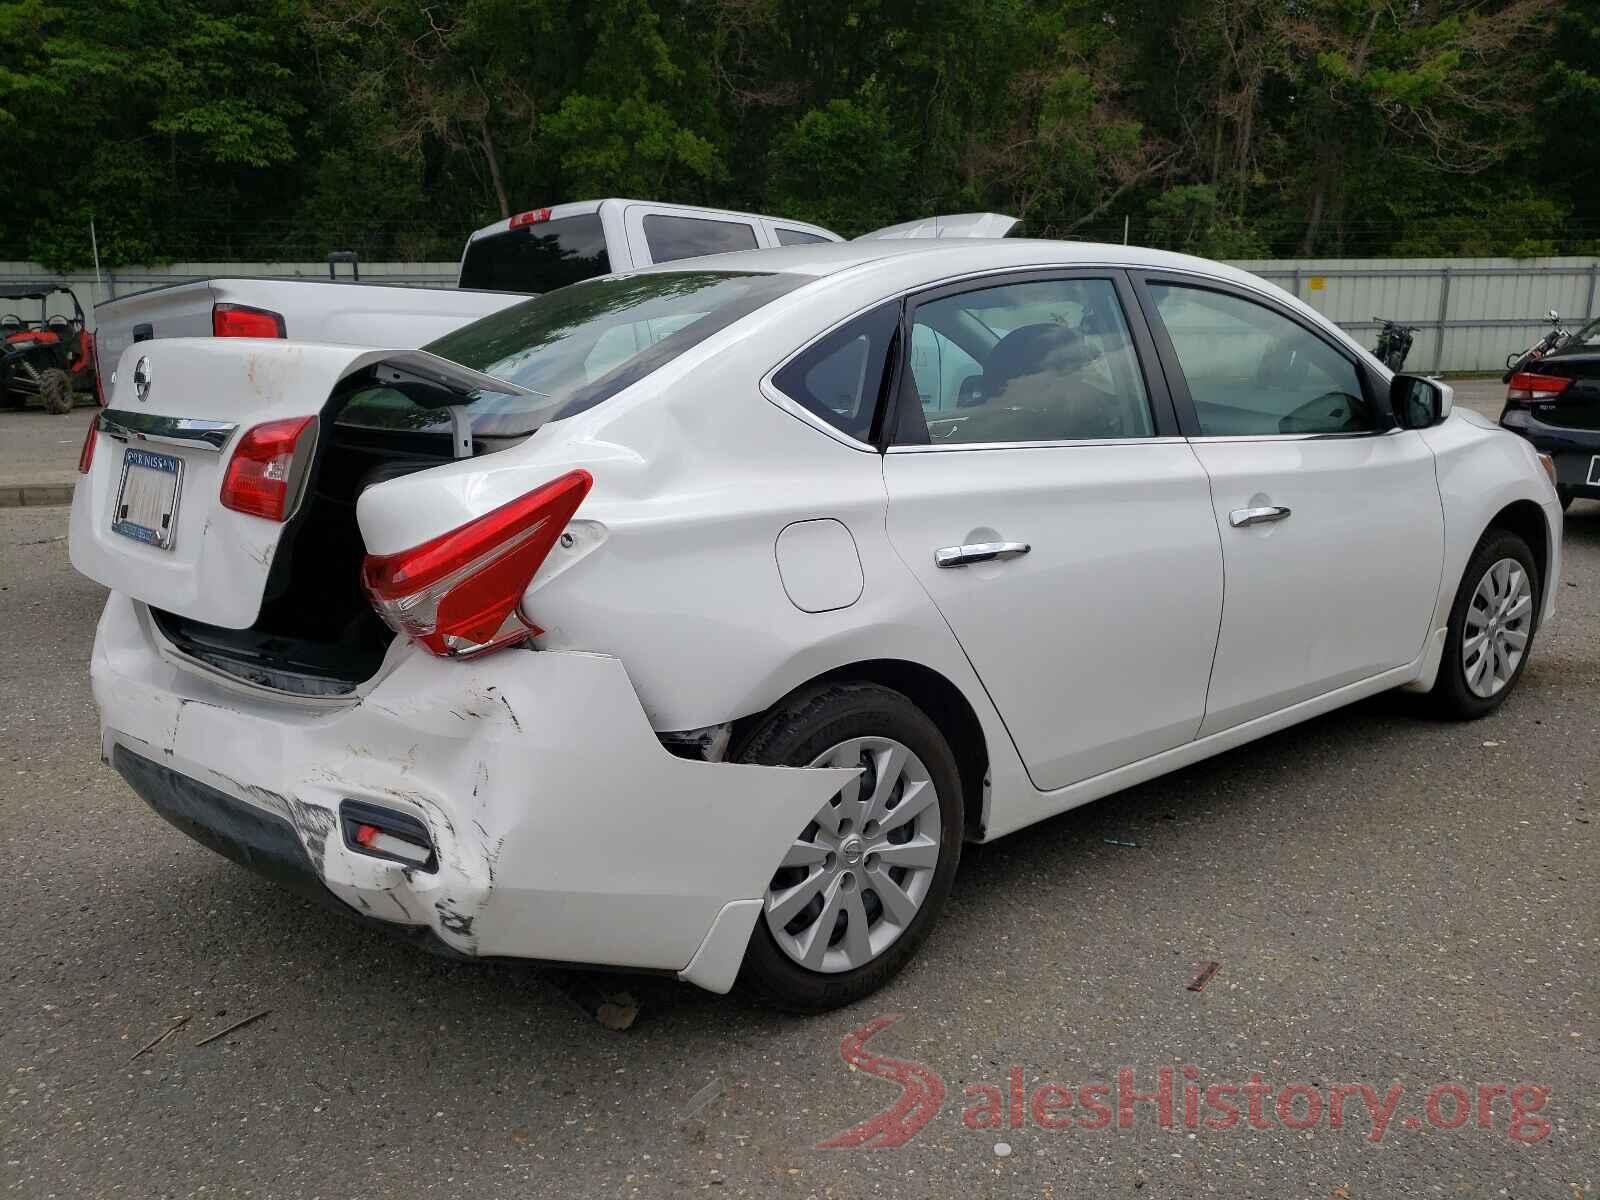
x: 1391, y: 901
x: 39, y: 454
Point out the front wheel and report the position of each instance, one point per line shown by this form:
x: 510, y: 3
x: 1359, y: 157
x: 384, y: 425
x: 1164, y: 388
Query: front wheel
x: 1492, y: 624
x: 865, y: 879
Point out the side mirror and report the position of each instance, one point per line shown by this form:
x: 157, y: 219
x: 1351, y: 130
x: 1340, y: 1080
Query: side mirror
x: 1419, y: 402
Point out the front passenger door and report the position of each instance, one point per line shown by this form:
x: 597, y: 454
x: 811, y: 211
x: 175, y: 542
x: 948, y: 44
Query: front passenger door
x: 1331, y: 523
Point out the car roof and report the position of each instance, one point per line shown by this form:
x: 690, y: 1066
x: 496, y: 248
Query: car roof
x: 924, y: 262
x: 820, y: 259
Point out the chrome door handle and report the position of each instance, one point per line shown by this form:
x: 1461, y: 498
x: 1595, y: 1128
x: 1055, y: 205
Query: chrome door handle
x: 1240, y: 517
x: 977, y: 552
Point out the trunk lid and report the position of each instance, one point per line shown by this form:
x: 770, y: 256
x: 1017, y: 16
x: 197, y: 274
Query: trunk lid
x: 949, y: 225
x: 148, y: 520
x: 1578, y: 407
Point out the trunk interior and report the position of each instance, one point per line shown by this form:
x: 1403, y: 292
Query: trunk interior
x: 317, y: 635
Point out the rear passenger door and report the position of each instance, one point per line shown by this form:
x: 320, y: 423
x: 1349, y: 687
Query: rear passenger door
x: 1332, y: 528
x: 1040, y: 492
x: 657, y: 236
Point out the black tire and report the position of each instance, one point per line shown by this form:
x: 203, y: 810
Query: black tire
x: 1452, y: 695
x: 55, y: 389
x: 798, y: 730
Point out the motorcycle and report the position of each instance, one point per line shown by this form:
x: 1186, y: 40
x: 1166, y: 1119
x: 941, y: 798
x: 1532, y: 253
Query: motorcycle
x: 1555, y: 338
x: 1394, y: 343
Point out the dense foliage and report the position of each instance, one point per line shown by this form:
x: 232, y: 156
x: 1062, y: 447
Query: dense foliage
x: 273, y: 129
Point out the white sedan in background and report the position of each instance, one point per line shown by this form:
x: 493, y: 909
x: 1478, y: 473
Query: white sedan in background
x: 693, y: 619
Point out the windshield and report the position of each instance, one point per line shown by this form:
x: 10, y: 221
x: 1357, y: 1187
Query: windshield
x: 576, y: 347
x: 538, y: 258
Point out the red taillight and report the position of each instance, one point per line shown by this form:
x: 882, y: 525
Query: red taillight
x: 534, y: 216
x: 268, y: 468
x: 458, y: 594
x: 240, y: 320
x: 1528, y: 387
x: 86, y: 455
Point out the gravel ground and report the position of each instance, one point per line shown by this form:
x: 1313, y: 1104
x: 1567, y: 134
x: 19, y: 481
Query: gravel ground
x: 1392, y: 901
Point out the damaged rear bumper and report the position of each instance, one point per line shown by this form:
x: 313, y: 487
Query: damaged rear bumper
x: 562, y: 830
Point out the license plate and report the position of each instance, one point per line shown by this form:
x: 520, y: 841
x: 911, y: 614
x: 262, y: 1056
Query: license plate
x: 147, y: 498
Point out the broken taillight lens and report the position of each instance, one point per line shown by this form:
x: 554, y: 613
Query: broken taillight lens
x: 268, y: 469
x: 458, y: 594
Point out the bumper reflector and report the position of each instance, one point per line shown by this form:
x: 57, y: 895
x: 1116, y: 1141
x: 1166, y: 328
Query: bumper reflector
x: 384, y: 833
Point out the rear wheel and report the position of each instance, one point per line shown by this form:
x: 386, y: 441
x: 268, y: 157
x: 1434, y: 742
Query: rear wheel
x: 55, y: 389
x: 867, y: 876
x: 1492, y: 624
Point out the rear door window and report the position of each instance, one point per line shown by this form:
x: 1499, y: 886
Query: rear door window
x: 1037, y: 361
x: 671, y: 237
x: 538, y: 258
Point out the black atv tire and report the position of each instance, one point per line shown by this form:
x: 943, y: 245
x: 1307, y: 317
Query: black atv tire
x: 55, y: 389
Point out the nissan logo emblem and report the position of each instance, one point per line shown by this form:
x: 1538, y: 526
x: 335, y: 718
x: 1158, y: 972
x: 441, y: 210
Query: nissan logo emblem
x: 141, y: 379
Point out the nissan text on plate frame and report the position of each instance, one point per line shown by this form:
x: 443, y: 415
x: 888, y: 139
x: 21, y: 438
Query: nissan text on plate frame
x: 693, y: 620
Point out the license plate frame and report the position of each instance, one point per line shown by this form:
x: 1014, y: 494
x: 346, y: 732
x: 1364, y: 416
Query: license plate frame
x: 157, y: 481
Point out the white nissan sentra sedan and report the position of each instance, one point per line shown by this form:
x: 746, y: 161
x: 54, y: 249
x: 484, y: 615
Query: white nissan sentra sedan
x: 692, y: 620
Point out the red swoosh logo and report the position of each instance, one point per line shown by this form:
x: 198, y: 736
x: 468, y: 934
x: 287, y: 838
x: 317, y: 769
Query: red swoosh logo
x: 921, y: 1092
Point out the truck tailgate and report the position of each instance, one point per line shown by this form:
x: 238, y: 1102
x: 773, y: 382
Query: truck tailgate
x: 320, y: 310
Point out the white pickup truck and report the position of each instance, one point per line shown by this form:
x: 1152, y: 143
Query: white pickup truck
x: 502, y: 264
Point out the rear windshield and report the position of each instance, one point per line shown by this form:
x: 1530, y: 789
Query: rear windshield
x: 537, y: 258
x: 1589, y: 335
x: 577, y: 347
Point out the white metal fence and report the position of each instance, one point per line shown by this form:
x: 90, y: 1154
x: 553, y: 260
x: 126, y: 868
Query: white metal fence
x: 1470, y: 312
